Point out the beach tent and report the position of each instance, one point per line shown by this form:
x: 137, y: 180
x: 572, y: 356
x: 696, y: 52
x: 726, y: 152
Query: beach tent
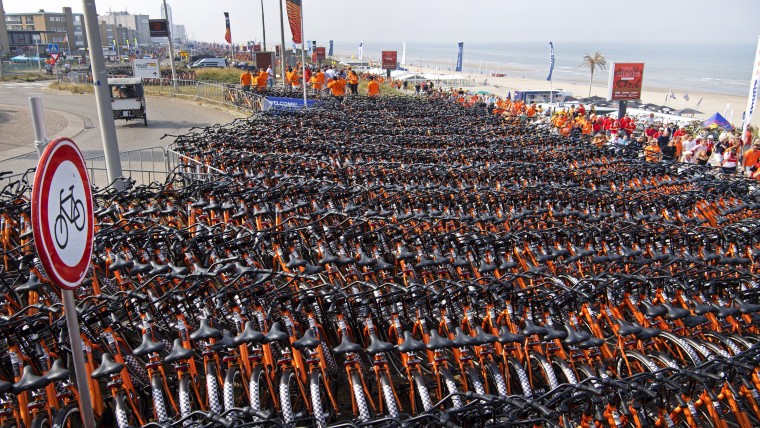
x: 688, y: 112
x: 22, y: 58
x: 719, y: 120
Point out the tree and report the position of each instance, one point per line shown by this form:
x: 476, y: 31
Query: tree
x: 592, y: 62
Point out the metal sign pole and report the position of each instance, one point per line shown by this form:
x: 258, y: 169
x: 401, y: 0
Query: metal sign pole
x: 171, y: 48
x: 85, y: 405
x: 38, y: 122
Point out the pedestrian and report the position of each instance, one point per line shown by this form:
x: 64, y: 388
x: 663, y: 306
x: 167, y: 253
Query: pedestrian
x: 246, y: 79
x: 353, y: 82
x: 373, y: 88
x: 417, y: 88
x: 270, y: 78
x: 261, y: 80
x: 751, y: 156
x: 730, y: 161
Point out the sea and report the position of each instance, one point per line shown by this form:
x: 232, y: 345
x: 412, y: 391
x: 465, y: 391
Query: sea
x: 721, y: 68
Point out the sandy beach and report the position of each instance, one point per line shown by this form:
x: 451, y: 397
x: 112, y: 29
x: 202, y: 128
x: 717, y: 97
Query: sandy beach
x: 711, y: 102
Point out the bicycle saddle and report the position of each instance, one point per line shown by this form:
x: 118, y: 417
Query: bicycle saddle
x: 120, y: 262
x: 310, y: 269
x: 505, y: 265
x: 157, y: 269
x: 178, y: 353
x: 701, y: 309
x: 424, y: 263
x: 460, y: 262
x: 250, y: 335
x: 108, y: 367
x: 692, y: 321
x: 347, y: 346
x: 486, y: 268
x: 530, y: 329
x: 365, y: 261
x: 626, y: 329
x: 647, y: 333
x: 295, y: 262
x: 275, y: 334
x: 29, y: 381
x: 377, y: 346
x: 32, y: 284
x: 177, y: 271
x: 437, y: 342
x: 139, y: 268
x: 506, y: 336
x: 58, y: 372
x: 724, y: 312
x: 461, y: 339
x: 652, y: 311
x: 482, y: 337
x: 403, y: 254
x: 328, y: 257
x: 308, y: 340
x: 574, y: 337
x: 410, y: 344
x: 674, y: 313
x: 205, y: 332
x: 552, y: 334
x: 746, y: 308
x: 383, y: 265
x: 593, y: 342
x: 226, y: 342
x: 200, y: 203
x: 148, y: 346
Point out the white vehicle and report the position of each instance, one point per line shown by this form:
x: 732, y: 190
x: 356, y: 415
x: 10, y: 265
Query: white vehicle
x: 127, y: 98
x: 209, y: 62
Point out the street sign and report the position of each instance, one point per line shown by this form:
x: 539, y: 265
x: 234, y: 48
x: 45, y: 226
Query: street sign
x: 62, y: 214
x: 55, y: 56
x: 53, y: 48
x: 146, y: 68
x: 158, y: 27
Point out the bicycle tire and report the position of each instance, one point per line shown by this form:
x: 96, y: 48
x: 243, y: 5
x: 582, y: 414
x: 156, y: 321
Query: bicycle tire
x: 318, y: 402
x: 361, y: 401
x: 475, y: 381
x: 68, y: 417
x: 388, y: 395
x: 540, y: 364
x: 497, y: 378
x: 124, y: 416
x: 40, y: 421
x: 292, y: 402
x: 451, y: 387
x: 258, y: 391
x: 515, y: 369
x: 234, y: 392
x: 159, y: 403
x: 422, y: 391
x: 212, y: 389
x: 187, y: 400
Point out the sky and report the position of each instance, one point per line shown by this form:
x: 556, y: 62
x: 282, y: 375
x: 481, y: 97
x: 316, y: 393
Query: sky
x: 644, y: 21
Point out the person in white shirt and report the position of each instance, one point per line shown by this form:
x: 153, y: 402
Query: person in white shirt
x: 270, y: 79
x: 688, y: 148
x: 329, y: 73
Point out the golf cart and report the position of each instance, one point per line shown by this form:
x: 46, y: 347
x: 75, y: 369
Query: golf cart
x: 127, y: 98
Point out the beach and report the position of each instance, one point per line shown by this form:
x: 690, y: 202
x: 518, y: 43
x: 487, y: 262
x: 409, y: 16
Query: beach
x: 712, y: 102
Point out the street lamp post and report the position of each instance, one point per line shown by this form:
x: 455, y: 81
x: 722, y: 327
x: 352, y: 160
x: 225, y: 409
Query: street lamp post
x: 37, y: 43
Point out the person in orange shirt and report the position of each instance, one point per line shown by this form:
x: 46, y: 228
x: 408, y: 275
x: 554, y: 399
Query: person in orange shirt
x: 295, y: 79
x: 261, y: 80
x: 318, y: 80
x: 373, y: 88
x: 337, y: 87
x: 652, y: 152
x: 531, y: 110
x: 246, y: 79
x: 751, y: 156
x: 353, y: 82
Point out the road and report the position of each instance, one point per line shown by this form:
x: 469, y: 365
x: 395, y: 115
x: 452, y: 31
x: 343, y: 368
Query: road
x: 75, y: 116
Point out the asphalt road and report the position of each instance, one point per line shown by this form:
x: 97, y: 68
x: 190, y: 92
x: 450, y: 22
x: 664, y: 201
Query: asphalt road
x: 75, y: 116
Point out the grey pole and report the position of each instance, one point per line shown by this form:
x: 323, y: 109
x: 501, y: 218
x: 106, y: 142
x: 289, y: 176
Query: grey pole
x: 282, y: 46
x: 171, y: 48
x: 263, y: 28
x: 303, y: 60
x: 102, y: 95
x: 85, y: 406
x: 38, y: 122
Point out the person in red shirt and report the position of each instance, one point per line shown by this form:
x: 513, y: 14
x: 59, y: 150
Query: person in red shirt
x: 581, y: 110
x: 650, y: 132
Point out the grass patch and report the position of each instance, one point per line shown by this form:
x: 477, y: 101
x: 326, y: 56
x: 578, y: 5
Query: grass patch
x: 76, y: 88
x: 223, y: 75
x: 25, y: 77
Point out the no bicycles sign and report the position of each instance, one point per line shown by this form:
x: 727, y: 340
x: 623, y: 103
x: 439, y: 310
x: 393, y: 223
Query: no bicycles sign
x: 62, y: 214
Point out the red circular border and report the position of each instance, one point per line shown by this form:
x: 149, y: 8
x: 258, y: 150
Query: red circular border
x: 57, y: 152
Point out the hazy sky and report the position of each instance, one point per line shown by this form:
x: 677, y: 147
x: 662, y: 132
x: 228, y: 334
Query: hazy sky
x: 644, y: 21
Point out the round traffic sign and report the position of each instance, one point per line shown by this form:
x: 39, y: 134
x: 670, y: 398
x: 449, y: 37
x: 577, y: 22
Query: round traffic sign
x: 62, y: 213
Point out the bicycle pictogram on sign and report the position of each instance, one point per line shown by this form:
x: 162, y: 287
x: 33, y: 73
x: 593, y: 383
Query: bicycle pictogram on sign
x: 71, y: 211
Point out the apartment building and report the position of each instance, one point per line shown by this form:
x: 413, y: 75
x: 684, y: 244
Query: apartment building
x: 42, y: 28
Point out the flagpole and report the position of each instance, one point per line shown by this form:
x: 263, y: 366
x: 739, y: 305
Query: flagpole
x: 282, y: 46
x: 303, y: 59
x: 263, y: 29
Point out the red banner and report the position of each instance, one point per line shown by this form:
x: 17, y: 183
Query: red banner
x: 227, y: 33
x: 319, y: 53
x: 294, y: 18
x: 389, y: 60
x: 257, y: 48
x: 626, y: 79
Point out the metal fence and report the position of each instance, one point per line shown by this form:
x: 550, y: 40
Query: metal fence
x: 143, y: 165
x: 218, y: 93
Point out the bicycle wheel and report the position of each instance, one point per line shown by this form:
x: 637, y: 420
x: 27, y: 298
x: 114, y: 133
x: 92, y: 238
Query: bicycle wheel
x: 41, y: 421
x: 388, y: 396
x: 451, y: 388
x: 68, y: 417
x: 259, y: 392
x: 361, y: 400
x: 543, y: 378
x: 212, y: 389
x: 475, y: 382
x: 423, y: 395
x: 235, y: 394
x: 188, y: 401
x: 496, y: 379
x: 159, y: 403
x: 517, y: 378
x: 124, y: 416
x: 318, y: 399
x: 292, y: 402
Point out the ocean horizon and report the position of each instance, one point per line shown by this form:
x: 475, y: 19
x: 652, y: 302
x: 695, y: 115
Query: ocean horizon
x: 698, y: 67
